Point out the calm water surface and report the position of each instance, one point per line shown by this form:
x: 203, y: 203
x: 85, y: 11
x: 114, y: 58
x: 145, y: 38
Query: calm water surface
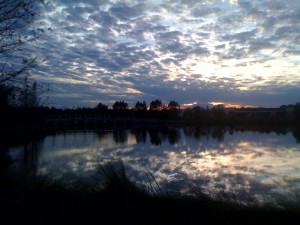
x: 250, y: 165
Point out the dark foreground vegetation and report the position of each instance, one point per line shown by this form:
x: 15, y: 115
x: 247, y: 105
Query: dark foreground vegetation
x: 112, y: 198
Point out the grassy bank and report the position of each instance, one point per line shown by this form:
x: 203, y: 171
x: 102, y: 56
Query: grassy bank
x: 114, y: 199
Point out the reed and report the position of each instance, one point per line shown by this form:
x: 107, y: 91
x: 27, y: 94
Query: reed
x: 113, y: 198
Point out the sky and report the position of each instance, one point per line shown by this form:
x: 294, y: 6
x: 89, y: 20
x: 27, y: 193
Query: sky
x: 240, y: 53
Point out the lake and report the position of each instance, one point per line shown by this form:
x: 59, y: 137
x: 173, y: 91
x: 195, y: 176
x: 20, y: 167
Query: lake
x: 250, y: 166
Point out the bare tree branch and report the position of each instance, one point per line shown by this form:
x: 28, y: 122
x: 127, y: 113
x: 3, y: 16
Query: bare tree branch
x: 16, y: 18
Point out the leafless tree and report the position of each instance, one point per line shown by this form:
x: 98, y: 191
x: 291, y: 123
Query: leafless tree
x: 16, y: 18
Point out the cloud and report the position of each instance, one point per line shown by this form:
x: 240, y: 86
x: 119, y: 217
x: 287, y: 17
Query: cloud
x: 124, y: 12
x: 133, y: 91
x: 244, y: 4
x: 204, y: 11
x: 184, y: 50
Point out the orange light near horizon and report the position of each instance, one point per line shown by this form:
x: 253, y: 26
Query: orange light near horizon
x: 230, y: 105
x: 216, y: 103
x: 238, y: 106
x: 187, y: 105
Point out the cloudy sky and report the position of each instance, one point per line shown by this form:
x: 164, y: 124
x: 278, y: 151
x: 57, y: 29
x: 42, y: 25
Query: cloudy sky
x: 237, y: 52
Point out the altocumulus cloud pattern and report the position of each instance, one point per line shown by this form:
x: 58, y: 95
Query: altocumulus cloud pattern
x: 236, y: 52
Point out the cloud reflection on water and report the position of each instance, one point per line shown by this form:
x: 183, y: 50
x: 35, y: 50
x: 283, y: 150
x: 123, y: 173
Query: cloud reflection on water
x: 263, y: 165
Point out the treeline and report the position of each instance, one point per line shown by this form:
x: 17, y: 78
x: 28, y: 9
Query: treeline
x: 141, y: 106
x: 282, y: 116
x: 20, y: 117
x: 285, y: 115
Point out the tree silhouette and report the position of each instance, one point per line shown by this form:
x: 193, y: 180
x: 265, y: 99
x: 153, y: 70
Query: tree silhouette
x: 28, y: 97
x: 5, y: 95
x: 173, y: 105
x: 101, y: 107
x: 141, y: 106
x: 155, y: 105
x: 218, y: 113
x: 120, y: 105
x: 15, y: 32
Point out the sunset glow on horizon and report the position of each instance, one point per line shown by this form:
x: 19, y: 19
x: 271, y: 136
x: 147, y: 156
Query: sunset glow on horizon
x: 242, y: 53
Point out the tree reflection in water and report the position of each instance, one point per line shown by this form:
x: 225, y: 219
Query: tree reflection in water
x: 254, y: 166
x: 296, y: 134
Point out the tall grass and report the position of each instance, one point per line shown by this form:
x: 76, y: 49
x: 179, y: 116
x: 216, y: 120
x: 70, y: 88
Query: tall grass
x: 114, y: 198
x: 111, y: 178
